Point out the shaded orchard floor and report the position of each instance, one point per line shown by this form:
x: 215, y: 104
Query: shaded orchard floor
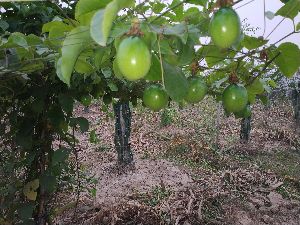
x: 180, y: 177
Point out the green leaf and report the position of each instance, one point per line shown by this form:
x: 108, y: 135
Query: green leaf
x: 251, y: 98
x: 25, y: 211
x: 48, y: 183
x: 16, y: 40
x: 82, y: 122
x: 187, y: 53
x: 112, y: 86
x: 66, y: 102
x: 4, y: 25
x: 76, y: 41
x: 178, y: 10
x: 154, y: 73
x: 32, y: 67
x: 264, y: 99
x: 256, y: 87
x: 212, y: 54
x: 86, y: 6
x: 216, y: 79
x: 289, y: 59
x: 60, y: 155
x: 56, y: 30
x: 24, y: 140
x: 290, y: 9
x: 253, y: 42
x: 106, y: 72
x: 270, y: 15
x: 157, y: 6
x: 175, y: 82
x: 178, y: 30
x: 47, y: 27
x: 30, y: 188
x: 101, y: 56
x: 38, y: 105
x: 83, y: 67
x: 102, y: 22
x: 298, y: 27
x: 198, y: 2
x: 125, y: 3
x: 33, y: 40
x: 93, y: 137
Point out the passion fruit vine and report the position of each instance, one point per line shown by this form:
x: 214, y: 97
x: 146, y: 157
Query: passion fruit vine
x: 225, y: 27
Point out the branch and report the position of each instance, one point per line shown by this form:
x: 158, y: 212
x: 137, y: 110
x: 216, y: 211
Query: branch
x: 265, y: 67
x: 286, y: 36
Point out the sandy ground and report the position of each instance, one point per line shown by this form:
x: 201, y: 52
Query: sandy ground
x: 248, y: 196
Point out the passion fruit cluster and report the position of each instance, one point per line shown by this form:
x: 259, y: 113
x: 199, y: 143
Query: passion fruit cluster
x: 225, y: 31
x: 133, y: 62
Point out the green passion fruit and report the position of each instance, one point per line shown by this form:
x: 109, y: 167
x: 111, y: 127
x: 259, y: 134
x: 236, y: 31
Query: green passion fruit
x: 133, y: 58
x: 225, y: 27
x: 155, y: 97
x: 196, y: 91
x: 235, y: 98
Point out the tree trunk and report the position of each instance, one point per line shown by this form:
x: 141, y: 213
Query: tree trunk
x: 245, y: 129
x: 296, y: 103
x: 122, y: 132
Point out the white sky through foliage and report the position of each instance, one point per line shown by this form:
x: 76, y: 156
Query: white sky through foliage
x: 254, y: 12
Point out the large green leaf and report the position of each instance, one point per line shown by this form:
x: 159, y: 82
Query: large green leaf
x: 179, y: 30
x: 289, y: 59
x: 75, y: 42
x: 60, y: 155
x: 102, y: 22
x: 55, y: 24
x: 25, y: 211
x: 187, y: 53
x: 298, y: 27
x: 87, y: 6
x: 175, y: 82
x: 256, y: 87
x: 16, y: 39
x: 250, y: 42
x: 154, y: 73
x: 48, y: 182
x: 81, y: 122
x: 66, y: 101
x: 83, y: 67
x: 4, y: 25
x: 290, y: 9
x: 125, y: 3
x: 212, y: 54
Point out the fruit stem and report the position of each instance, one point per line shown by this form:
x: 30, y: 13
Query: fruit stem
x: 161, y: 63
x: 135, y: 29
x: 233, y: 78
